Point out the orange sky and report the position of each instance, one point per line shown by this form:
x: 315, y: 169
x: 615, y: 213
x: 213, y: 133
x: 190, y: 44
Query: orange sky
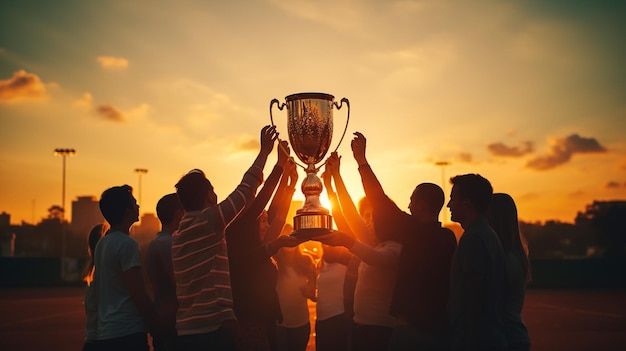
x: 529, y: 94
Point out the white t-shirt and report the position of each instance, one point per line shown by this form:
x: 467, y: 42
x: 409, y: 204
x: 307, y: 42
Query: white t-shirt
x: 293, y: 303
x: 118, y: 315
x: 375, y: 283
x: 330, y: 290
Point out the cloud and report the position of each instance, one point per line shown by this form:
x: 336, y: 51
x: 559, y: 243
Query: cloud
x: 612, y: 185
x: 112, y: 62
x: 250, y: 144
x: 464, y: 157
x: 562, y: 150
x: 109, y: 112
x: 529, y: 196
x: 500, y: 149
x: 85, y: 102
x: 22, y: 86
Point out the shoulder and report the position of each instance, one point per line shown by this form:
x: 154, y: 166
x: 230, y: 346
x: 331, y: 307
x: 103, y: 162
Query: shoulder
x: 119, y: 238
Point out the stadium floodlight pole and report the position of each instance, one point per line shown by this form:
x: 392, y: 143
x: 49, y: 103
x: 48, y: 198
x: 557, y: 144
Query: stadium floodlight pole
x: 443, y: 165
x: 140, y: 172
x: 64, y: 153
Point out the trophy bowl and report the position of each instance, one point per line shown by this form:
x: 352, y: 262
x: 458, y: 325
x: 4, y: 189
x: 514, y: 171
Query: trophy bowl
x: 310, y: 131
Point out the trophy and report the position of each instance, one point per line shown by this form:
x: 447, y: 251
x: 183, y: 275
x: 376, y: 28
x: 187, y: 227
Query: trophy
x: 310, y: 130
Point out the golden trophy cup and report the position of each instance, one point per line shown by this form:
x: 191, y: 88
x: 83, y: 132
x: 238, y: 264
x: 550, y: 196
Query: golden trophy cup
x: 310, y: 130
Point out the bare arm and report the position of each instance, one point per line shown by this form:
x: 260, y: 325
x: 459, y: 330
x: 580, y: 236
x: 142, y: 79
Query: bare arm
x: 387, y: 257
x: 349, y: 210
x: 335, y: 206
x: 230, y: 208
x: 283, y: 158
x: 282, y: 200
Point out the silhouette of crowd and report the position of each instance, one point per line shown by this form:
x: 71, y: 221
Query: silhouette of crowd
x: 227, y: 275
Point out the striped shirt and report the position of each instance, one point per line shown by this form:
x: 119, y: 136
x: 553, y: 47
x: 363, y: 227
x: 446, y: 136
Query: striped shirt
x: 200, y: 260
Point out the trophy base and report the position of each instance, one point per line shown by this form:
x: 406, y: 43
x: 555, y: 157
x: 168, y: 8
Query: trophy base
x: 312, y: 224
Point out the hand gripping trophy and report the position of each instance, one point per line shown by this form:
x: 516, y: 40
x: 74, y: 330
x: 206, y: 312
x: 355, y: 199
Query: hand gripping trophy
x: 310, y: 130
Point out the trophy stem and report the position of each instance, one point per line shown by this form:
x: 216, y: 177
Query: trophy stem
x: 312, y: 188
x: 312, y: 219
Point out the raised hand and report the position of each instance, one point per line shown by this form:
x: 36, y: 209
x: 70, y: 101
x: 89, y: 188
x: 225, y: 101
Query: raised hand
x: 268, y: 137
x: 333, y: 163
x: 358, y: 148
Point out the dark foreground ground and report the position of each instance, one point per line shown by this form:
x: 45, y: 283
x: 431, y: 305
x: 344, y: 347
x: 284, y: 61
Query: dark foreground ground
x: 53, y: 319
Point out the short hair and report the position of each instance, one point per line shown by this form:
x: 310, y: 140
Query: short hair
x: 192, y: 190
x: 475, y: 188
x: 166, y: 208
x: 114, y: 202
x: 431, y: 194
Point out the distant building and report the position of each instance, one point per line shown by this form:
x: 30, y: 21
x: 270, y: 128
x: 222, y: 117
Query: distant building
x: 85, y: 214
x: 5, y: 220
x: 146, y: 229
x: 7, y: 238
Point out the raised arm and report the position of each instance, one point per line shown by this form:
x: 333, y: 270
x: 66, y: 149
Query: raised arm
x: 351, y: 214
x: 335, y: 206
x: 283, y: 154
x: 282, y: 200
x: 382, y: 205
x: 264, y: 195
x: 235, y: 201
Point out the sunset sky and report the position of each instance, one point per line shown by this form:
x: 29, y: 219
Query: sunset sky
x: 529, y: 94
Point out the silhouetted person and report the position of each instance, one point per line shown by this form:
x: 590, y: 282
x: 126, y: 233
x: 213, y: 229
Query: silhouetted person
x: 253, y: 274
x: 205, y: 317
x: 124, y: 308
x: 421, y: 289
x: 503, y: 219
x: 477, y: 274
x: 338, y: 268
x: 161, y: 272
x: 295, y: 286
x: 332, y: 326
x: 373, y: 322
x: 90, y: 303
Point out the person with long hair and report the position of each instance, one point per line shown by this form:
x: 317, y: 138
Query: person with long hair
x: 503, y: 219
x: 90, y: 302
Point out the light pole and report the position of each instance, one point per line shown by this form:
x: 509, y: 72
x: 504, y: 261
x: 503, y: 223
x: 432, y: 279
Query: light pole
x: 64, y: 153
x: 140, y: 171
x: 443, y: 165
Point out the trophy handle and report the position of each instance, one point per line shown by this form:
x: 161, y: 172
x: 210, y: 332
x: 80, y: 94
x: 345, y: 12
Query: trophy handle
x: 281, y: 107
x: 347, y: 119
